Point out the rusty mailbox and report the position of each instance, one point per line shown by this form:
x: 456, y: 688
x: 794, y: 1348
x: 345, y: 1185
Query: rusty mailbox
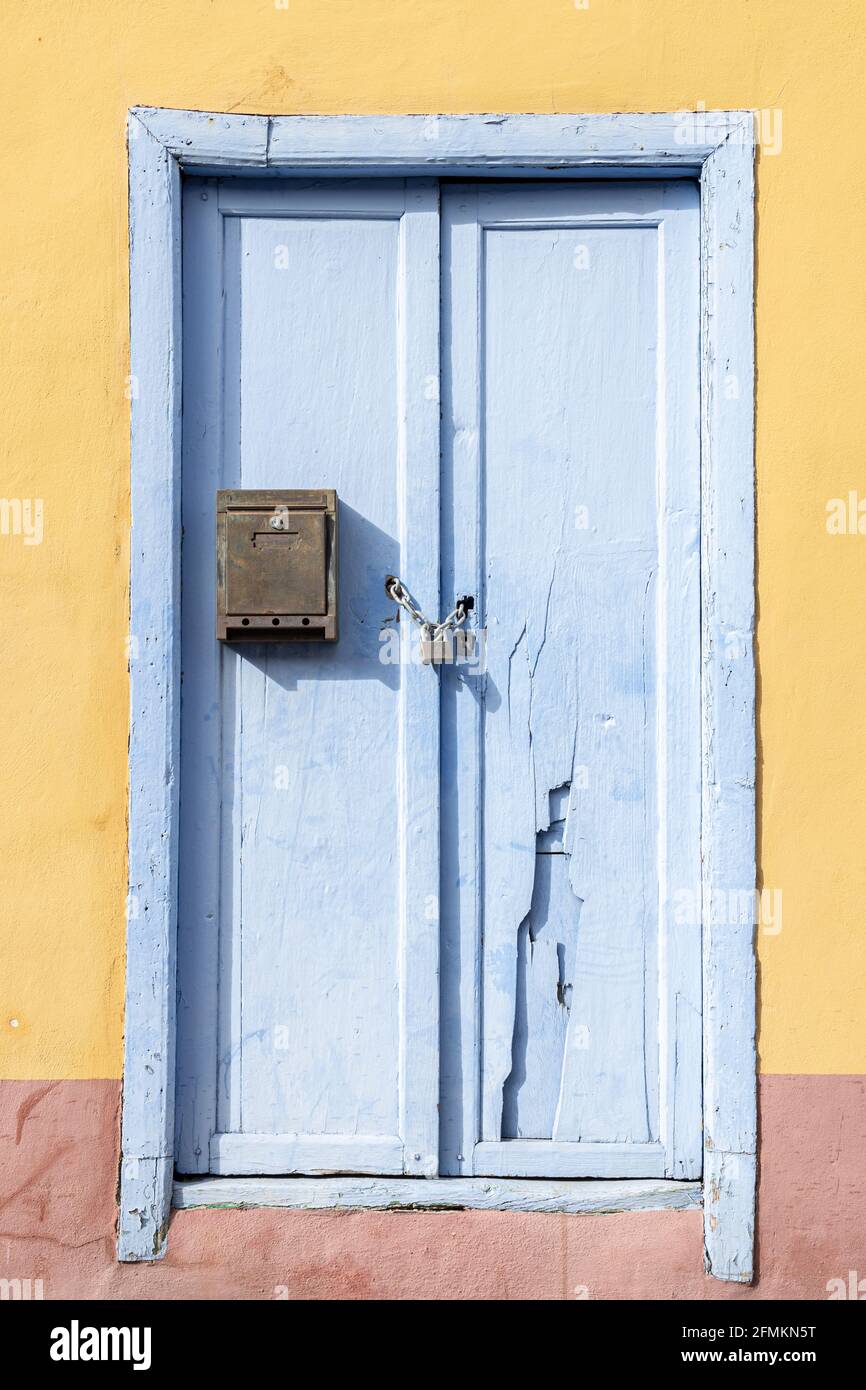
x: 276, y: 565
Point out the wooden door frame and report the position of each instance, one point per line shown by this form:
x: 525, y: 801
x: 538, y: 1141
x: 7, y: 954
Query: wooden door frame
x: 718, y: 149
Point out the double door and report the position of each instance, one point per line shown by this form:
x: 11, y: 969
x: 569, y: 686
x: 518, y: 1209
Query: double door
x: 427, y: 914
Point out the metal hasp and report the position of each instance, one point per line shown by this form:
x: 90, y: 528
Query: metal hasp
x: 276, y: 565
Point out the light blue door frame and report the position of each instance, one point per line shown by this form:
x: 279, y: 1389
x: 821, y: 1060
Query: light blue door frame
x: 161, y: 145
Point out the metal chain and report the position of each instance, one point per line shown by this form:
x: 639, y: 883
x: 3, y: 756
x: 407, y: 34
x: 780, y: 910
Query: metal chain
x: 456, y: 618
x: 396, y: 590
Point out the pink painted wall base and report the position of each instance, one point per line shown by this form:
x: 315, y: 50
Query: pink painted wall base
x: 58, y: 1179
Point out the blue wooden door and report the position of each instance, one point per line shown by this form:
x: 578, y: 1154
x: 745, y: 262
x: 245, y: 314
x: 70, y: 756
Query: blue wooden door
x: 425, y: 914
x: 571, y: 1040
x: 308, y: 1022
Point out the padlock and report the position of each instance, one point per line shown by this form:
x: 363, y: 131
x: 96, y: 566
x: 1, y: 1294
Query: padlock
x: 464, y: 645
x: 437, y: 651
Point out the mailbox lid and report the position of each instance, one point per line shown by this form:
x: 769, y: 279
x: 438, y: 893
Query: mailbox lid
x: 271, y: 570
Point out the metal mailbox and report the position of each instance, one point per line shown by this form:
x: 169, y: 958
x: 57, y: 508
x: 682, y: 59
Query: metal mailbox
x: 276, y: 565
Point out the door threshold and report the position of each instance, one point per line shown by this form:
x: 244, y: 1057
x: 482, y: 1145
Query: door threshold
x: 445, y: 1194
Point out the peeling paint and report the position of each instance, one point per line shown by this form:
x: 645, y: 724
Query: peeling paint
x: 546, y: 952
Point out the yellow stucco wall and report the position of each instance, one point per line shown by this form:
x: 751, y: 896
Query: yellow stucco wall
x: 71, y: 72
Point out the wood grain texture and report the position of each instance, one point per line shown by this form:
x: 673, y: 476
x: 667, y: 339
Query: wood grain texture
x: 486, y: 1194
x: 728, y: 599
x: 446, y: 143
x: 558, y: 1158
x: 148, y: 1097
x: 199, y: 138
x: 306, y: 1153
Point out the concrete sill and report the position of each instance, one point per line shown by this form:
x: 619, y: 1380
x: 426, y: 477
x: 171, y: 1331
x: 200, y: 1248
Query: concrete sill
x: 440, y: 1194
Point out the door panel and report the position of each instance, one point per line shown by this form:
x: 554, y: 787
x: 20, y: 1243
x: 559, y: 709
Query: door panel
x: 300, y: 899
x: 571, y: 1000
